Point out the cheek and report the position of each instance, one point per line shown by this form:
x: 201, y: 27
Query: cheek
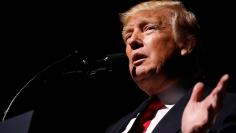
x: 160, y: 53
x: 128, y: 52
x: 163, y: 47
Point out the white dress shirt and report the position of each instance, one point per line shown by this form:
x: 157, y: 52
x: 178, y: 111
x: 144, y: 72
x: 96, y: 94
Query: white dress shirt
x: 169, y: 98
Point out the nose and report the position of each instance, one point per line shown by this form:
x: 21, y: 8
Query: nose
x: 136, y: 41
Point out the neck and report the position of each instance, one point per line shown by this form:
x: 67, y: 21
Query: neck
x: 172, y: 94
x: 175, y: 89
x: 170, y: 90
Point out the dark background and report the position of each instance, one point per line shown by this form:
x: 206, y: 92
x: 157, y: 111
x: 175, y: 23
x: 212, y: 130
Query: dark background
x: 36, y: 34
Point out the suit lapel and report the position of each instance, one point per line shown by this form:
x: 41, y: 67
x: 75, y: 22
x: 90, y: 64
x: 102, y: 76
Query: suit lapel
x: 125, y: 121
x: 171, y: 122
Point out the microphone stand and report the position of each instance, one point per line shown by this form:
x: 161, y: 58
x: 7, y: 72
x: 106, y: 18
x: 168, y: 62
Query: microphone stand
x: 82, y: 66
x: 75, y: 53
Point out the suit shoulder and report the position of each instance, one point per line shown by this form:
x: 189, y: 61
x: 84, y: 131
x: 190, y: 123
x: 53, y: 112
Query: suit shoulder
x: 119, y: 124
x: 226, y: 119
x: 229, y: 105
x: 123, y: 122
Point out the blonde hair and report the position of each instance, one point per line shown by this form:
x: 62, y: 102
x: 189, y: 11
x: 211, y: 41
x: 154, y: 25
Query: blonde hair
x: 183, y: 22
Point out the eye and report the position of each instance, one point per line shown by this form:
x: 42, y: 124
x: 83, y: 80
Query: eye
x: 149, y: 28
x: 127, y: 33
x: 127, y: 36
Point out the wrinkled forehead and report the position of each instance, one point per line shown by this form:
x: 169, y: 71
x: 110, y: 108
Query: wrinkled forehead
x: 159, y: 17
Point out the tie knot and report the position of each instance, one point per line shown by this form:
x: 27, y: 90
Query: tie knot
x: 154, y: 105
x: 151, y: 109
x: 145, y: 117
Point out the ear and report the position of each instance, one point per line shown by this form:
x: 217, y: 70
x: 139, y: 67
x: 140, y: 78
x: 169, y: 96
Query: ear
x: 188, y: 45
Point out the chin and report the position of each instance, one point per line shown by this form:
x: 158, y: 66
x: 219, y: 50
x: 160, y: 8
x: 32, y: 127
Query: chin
x: 139, y: 73
x: 147, y: 80
x: 144, y: 72
x: 143, y: 79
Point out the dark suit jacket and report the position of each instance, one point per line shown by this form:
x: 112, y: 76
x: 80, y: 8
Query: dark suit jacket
x: 171, y: 122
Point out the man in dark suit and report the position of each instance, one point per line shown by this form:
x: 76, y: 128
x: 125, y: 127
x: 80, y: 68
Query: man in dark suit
x: 162, y: 45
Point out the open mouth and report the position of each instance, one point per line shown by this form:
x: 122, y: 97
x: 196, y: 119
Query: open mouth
x: 138, y: 59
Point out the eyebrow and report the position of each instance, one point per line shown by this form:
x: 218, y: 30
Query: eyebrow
x: 143, y: 22
x: 126, y: 29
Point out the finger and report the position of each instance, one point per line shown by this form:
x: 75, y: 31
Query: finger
x: 217, y: 94
x: 197, y: 92
x: 221, y: 86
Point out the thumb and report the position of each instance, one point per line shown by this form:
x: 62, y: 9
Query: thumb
x: 197, y: 92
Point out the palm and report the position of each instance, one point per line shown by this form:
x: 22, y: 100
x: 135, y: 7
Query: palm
x: 199, y: 114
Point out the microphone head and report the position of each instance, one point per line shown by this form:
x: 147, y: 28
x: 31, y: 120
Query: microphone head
x: 111, y: 58
x: 109, y: 63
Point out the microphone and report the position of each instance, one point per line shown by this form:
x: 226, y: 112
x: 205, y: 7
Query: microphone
x: 82, y: 66
x: 90, y: 66
x: 111, y: 58
x: 108, y: 62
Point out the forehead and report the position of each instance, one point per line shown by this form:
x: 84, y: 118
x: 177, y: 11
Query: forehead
x: 148, y: 16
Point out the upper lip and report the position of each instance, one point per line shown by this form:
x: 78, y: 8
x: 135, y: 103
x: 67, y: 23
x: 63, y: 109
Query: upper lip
x: 138, y: 56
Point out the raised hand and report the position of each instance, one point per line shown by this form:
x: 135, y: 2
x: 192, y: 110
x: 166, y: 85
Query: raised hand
x: 199, y: 114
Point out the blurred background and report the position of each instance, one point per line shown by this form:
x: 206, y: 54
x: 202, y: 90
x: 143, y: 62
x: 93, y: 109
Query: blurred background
x: 37, y: 34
